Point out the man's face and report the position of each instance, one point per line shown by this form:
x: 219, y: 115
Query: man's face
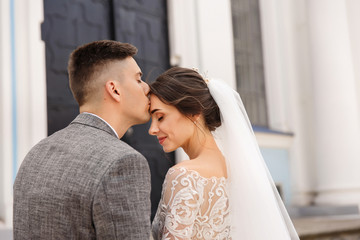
x: 133, y: 92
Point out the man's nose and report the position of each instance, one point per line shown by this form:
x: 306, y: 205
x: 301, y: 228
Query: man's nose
x: 146, y: 88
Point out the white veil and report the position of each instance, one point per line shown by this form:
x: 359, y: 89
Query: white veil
x: 257, y: 211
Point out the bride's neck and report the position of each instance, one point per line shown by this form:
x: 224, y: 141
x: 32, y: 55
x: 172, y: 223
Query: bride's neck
x: 201, y: 143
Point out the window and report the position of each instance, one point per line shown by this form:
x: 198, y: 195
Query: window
x: 249, y: 59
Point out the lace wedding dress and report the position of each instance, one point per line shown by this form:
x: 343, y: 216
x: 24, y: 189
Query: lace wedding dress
x: 192, y: 207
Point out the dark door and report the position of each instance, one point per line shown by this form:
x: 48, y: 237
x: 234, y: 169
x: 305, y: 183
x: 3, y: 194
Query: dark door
x: 70, y: 23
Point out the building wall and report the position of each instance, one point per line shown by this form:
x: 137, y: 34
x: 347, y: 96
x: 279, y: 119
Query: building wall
x: 317, y: 158
x: 336, y: 107
x: 278, y: 163
x: 6, y: 153
x: 308, y: 47
x: 289, y: 87
x: 23, y: 103
x: 198, y: 45
x: 200, y: 34
x: 311, y: 54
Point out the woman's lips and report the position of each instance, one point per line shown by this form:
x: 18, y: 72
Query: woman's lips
x: 161, y: 139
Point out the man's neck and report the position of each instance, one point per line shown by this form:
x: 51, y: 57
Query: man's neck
x: 119, y: 125
x: 103, y: 121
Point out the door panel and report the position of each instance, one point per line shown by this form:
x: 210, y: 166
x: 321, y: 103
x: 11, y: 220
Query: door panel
x: 70, y: 23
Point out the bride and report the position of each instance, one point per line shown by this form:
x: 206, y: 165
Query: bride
x: 225, y: 191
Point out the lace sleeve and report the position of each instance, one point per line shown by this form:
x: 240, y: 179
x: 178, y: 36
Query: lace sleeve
x: 180, y: 204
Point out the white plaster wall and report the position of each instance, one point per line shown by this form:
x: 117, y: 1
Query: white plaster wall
x: 353, y: 13
x: 336, y: 109
x: 274, y: 40
x: 183, y: 34
x: 311, y: 53
x: 215, y: 41
x: 200, y: 33
x: 288, y: 87
x: 201, y: 37
x: 301, y: 109
x: 31, y: 80
x: 30, y: 91
x: 5, y: 116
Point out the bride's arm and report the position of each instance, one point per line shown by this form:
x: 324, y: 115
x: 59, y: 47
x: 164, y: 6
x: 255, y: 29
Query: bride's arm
x: 182, y: 204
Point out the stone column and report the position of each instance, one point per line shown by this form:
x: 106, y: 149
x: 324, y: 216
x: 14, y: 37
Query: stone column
x: 200, y: 33
x: 23, y: 119
x: 336, y: 110
x: 30, y: 75
x: 6, y: 127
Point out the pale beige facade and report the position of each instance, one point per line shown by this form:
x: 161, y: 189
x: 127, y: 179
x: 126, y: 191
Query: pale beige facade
x: 311, y: 53
x: 22, y: 92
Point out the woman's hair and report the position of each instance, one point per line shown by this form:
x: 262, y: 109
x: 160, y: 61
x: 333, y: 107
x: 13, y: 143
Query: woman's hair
x: 186, y: 90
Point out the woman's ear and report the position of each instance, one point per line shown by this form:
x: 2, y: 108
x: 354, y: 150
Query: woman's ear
x: 113, y: 90
x: 195, y: 117
x: 199, y: 121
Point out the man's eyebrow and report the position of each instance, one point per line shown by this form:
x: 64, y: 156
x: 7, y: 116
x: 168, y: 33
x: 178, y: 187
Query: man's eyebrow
x: 154, y: 110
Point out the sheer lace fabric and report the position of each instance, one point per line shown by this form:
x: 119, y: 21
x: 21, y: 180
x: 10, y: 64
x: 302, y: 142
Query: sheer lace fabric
x: 192, y: 207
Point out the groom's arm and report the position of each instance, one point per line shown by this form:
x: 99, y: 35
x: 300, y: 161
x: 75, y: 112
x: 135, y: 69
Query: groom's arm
x: 121, y: 208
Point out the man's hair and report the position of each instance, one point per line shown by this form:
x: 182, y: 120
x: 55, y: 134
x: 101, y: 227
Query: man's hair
x: 88, y: 60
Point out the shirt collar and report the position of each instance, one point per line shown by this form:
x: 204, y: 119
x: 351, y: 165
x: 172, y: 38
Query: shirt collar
x: 104, y: 122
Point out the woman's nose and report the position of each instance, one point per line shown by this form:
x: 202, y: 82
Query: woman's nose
x: 153, y: 130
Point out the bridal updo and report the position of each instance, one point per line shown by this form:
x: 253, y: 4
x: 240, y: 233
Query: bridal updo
x: 186, y: 90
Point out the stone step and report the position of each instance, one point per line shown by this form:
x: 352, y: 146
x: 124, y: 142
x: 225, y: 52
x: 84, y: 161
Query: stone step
x: 316, y: 211
x: 5, y: 232
x: 340, y: 227
x: 311, y: 223
x: 326, y: 222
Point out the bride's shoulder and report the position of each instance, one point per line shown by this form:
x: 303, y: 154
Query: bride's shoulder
x: 182, y: 169
x: 187, y: 164
x: 195, y: 168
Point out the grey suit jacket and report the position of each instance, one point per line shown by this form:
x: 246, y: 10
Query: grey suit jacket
x: 82, y: 183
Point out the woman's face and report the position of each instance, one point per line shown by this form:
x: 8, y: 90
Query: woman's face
x: 172, y: 128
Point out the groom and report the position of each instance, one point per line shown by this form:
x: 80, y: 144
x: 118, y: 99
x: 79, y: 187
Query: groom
x: 82, y: 182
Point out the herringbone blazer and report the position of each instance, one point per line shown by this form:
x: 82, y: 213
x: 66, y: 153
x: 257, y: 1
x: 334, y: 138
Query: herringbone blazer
x: 82, y: 183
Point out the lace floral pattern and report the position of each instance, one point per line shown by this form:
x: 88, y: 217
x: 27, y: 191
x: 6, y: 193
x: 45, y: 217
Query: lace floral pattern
x: 192, y: 207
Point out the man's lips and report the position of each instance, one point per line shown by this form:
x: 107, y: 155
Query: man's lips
x: 148, y: 107
x: 161, y: 139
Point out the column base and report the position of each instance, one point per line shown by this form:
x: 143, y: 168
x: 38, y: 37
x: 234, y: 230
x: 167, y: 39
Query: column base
x: 303, y: 199
x: 6, y: 213
x: 338, y: 197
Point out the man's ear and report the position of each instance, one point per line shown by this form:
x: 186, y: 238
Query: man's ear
x: 112, y: 88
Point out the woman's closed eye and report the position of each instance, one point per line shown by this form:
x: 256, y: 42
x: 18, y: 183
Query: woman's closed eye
x: 160, y: 118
